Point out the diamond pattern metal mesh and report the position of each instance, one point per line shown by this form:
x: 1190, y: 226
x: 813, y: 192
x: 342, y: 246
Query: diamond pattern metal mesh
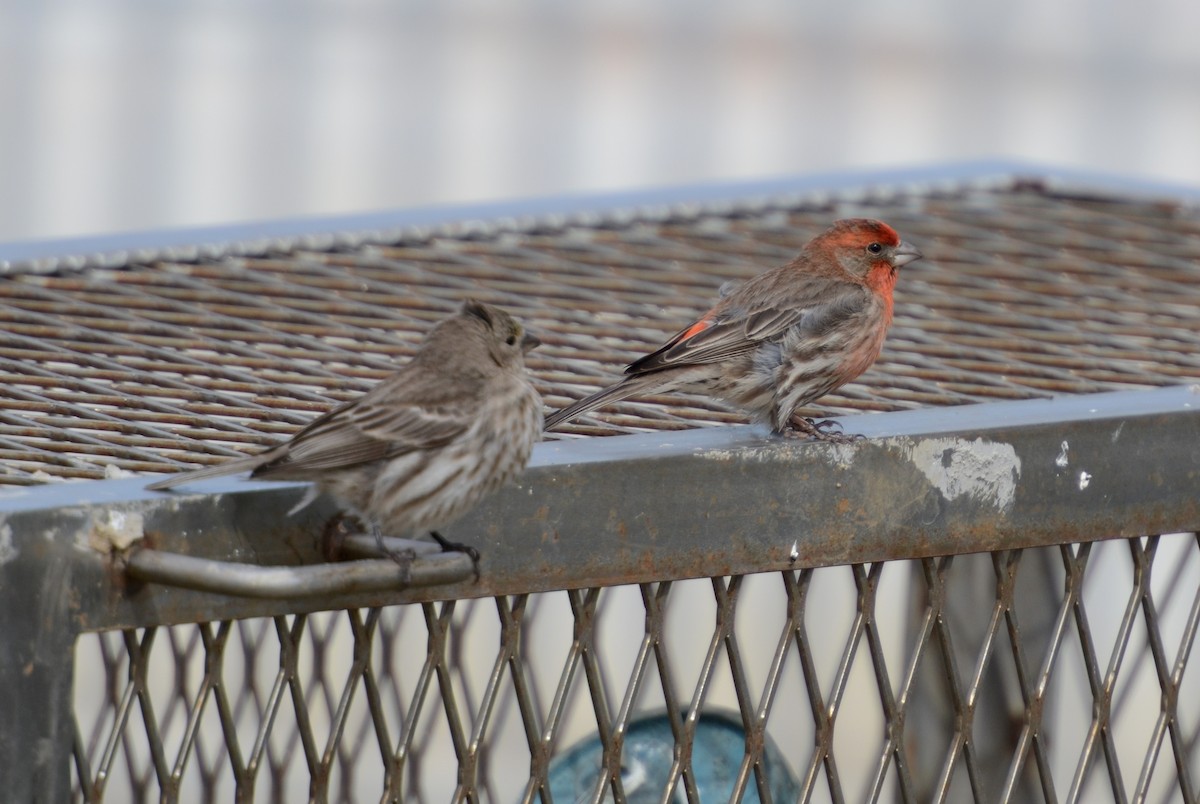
x: 1058, y: 674
x: 1053, y: 674
x: 143, y: 366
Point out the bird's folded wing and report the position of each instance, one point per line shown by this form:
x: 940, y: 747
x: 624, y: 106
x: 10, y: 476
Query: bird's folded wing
x: 732, y: 331
x: 367, y: 431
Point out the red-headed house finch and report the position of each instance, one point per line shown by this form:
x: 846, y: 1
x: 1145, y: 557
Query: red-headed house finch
x: 784, y: 338
x: 426, y: 444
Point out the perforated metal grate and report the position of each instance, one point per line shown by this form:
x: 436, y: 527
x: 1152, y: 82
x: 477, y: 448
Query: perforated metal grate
x: 146, y: 366
x: 1050, y: 674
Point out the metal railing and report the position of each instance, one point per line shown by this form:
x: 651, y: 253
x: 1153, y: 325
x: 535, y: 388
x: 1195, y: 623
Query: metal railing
x: 988, y: 599
x: 810, y: 610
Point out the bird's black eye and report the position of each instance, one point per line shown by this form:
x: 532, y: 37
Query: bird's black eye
x: 511, y: 339
x: 875, y: 248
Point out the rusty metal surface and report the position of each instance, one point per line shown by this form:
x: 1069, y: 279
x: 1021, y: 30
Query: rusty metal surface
x: 420, y: 563
x: 601, y: 512
x: 823, y: 594
x: 150, y: 364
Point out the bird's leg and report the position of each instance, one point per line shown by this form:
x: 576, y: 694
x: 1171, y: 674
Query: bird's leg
x: 344, y: 524
x: 457, y: 547
x: 798, y: 426
x: 403, y: 558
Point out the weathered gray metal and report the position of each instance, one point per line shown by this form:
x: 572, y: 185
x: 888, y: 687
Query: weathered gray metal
x: 152, y: 353
x: 425, y: 567
x: 154, y: 360
x: 599, y: 512
x: 721, y: 501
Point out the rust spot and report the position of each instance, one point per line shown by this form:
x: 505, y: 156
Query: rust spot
x: 843, y: 506
x: 152, y: 539
x: 117, y: 575
x: 333, y: 536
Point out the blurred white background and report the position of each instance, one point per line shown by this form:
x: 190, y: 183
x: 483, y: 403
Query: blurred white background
x: 143, y: 114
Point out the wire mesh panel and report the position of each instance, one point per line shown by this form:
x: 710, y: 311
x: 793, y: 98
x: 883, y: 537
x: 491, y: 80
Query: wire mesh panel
x: 143, y: 365
x: 1056, y: 673
x: 1067, y: 678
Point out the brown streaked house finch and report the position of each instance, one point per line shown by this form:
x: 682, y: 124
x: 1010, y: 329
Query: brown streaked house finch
x: 426, y: 444
x: 784, y: 338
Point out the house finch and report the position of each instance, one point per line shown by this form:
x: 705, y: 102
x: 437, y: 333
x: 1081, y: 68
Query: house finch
x: 784, y: 338
x: 426, y: 444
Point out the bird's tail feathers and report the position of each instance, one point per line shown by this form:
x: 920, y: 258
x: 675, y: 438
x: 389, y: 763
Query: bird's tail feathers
x: 614, y: 393
x: 218, y: 470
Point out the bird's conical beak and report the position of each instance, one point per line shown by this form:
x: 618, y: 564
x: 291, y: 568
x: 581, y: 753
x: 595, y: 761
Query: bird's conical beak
x: 905, y: 253
x: 529, y: 342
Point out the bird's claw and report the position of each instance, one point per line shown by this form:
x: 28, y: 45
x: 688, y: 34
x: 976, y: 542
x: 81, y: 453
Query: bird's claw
x: 826, y: 430
x: 336, y: 530
x: 457, y: 547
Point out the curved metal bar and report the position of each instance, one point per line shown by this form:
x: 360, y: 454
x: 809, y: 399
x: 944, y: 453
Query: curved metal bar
x: 430, y: 567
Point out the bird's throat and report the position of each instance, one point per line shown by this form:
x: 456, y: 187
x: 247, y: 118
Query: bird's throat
x: 882, y: 280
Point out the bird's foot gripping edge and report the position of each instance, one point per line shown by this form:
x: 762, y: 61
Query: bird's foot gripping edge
x: 825, y: 430
x: 457, y: 547
x: 343, y: 538
x: 403, y: 558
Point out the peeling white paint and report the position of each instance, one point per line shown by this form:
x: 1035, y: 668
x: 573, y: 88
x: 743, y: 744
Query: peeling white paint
x: 978, y: 469
x: 1084, y: 480
x: 1117, y: 433
x: 8, y: 550
x: 114, y: 530
x: 1062, y: 460
x: 843, y: 454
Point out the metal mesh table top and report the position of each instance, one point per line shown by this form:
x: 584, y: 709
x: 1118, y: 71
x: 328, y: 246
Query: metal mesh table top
x: 151, y: 364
